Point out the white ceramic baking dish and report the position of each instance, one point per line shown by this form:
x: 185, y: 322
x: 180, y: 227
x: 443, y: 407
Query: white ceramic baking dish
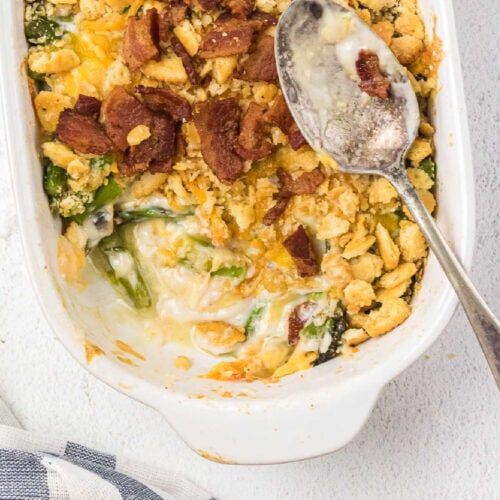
x: 303, y: 415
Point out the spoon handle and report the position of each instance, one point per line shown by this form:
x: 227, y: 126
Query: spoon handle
x: 484, y: 323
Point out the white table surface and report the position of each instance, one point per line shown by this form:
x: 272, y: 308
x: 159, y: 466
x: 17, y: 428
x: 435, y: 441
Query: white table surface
x: 435, y: 432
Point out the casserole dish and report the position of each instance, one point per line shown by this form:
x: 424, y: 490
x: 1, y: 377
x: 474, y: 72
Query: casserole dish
x: 238, y: 422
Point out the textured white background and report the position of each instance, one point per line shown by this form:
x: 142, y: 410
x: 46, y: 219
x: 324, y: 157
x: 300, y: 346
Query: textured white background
x: 435, y: 432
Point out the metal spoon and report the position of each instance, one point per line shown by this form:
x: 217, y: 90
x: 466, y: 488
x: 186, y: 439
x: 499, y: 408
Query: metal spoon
x: 317, y: 45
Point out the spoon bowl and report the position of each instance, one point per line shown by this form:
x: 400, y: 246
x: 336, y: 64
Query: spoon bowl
x: 365, y: 125
x: 318, y: 44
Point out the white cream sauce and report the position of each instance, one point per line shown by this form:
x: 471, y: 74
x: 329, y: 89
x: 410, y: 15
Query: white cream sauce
x: 188, y: 296
x: 122, y: 263
x: 342, y: 36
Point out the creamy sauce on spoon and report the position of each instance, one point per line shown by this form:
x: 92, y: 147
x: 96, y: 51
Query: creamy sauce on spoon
x: 317, y: 53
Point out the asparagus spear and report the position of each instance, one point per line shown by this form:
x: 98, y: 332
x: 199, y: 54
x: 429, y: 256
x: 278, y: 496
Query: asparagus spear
x: 38, y: 77
x: 253, y: 320
x: 335, y: 326
x: 142, y: 213
x: 104, y: 195
x: 201, y: 240
x: 115, y: 259
x: 54, y: 181
x: 230, y: 272
x: 429, y: 167
x: 41, y: 30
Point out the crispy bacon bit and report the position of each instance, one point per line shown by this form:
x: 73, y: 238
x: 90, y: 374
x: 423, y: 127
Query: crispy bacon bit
x: 251, y: 143
x: 276, y: 211
x: 306, y: 183
x: 208, y: 4
x: 88, y: 106
x: 78, y: 128
x: 165, y: 100
x: 82, y: 133
x: 173, y: 14
x: 165, y: 23
x: 217, y: 122
x: 295, y: 137
x: 206, y: 80
x: 154, y: 154
x: 260, y: 64
x: 130, y: 166
x: 262, y: 19
x: 180, y: 144
x: 299, y: 246
x: 373, y: 81
x: 298, y: 319
x: 279, y: 114
x: 187, y: 62
x: 178, y: 11
x: 240, y: 8
x: 141, y: 40
x: 121, y: 113
x: 205, y: 5
x: 228, y: 37
x: 163, y: 147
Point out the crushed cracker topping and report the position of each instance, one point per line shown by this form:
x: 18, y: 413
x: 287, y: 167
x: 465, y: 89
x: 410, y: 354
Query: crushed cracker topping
x: 365, y: 252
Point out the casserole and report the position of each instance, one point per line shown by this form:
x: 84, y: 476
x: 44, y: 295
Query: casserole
x: 338, y: 395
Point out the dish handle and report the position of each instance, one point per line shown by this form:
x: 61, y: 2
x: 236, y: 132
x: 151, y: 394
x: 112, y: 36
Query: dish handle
x: 266, y: 432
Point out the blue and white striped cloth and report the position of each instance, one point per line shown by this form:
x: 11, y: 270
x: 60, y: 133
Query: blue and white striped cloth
x: 38, y: 467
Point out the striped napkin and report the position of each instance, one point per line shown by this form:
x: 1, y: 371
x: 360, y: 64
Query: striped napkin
x: 38, y: 467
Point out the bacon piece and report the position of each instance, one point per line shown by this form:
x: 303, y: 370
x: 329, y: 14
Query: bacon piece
x: 140, y: 43
x: 82, y: 133
x: 275, y: 211
x: 187, y: 62
x: 165, y: 23
x: 163, y: 147
x: 155, y: 153
x: 178, y: 10
x: 228, y: 37
x: 251, y: 143
x: 373, y: 81
x: 121, y: 113
x: 295, y: 137
x: 206, y: 81
x: 208, y: 4
x: 217, y: 122
x: 165, y: 100
x: 261, y: 20
x: 257, y: 20
x: 164, y: 132
x: 279, y: 114
x: 298, y: 319
x: 240, y: 8
x: 306, y: 183
x: 88, y: 106
x: 174, y: 13
x: 299, y: 246
x: 180, y: 144
x: 129, y: 166
x: 204, y: 5
x: 260, y: 64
